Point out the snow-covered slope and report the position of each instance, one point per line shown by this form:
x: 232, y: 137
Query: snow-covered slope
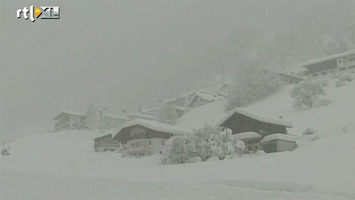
x: 64, y: 166
x: 210, y: 114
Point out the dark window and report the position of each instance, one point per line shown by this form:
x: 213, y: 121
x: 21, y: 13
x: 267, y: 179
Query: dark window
x: 324, y: 73
x: 105, y: 149
x: 149, y: 142
x: 351, y: 59
x: 314, y: 75
x: 352, y: 67
x: 341, y: 68
x: 162, y: 142
x: 112, y: 149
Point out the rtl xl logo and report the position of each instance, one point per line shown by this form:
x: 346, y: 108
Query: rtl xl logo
x: 41, y: 12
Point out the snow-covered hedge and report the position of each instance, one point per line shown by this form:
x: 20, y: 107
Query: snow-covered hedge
x: 203, y: 143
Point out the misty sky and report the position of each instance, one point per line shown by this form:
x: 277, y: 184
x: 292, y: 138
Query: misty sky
x: 124, y: 54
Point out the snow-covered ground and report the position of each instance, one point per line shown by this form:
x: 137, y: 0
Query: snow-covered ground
x: 64, y: 166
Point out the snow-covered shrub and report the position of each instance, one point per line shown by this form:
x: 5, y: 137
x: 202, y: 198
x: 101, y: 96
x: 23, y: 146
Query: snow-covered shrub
x: 205, y: 143
x: 345, y: 77
x: 307, y: 93
x: 167, y: 114
x: 252, y: 85
x: 342, y: 79
x: 178, y: 149
x: 239, y: 147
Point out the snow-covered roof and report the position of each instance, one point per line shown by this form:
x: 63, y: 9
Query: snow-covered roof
x: 290, y: 75
x: 334, y: 56
x: 182, y: 108
x: 141, y: 115
x: 70, y: 112
x: 116, y: 117
x: 256, y: 117
x: 203, y: 95
x: 154, y: 125
x: 210, y: 114
x: 150, y: 110
x: 246, y: 135
x: 279, y: 136
x: 180, y: 96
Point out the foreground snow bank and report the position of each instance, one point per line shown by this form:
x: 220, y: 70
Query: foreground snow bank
x: 319, y: 168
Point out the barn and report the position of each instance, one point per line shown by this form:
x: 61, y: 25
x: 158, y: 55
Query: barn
x: 240, y: 121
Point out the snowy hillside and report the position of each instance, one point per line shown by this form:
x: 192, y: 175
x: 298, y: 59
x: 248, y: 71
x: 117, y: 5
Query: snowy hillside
x: 64, y: 166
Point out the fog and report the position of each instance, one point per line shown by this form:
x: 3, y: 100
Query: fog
x: 129, y: 54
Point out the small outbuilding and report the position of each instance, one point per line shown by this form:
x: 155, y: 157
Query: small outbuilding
x: 106, y: 143
x: 279, y: 142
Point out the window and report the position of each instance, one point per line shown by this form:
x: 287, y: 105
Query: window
x: 112, y: 149
x: 352, y: 67
x: 149, y: 142
x: 341, y: 68
x: 340, y: 61
x: 132, y: 144
x: 351, y: 59
x: 105, y: 149
x: 162, y: 142
x: 138, y: 144
x: 324, y: 73
x: 314, y: 75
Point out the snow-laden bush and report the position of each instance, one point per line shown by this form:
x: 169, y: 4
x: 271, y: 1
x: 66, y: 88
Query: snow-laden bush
x: 343, y: 78
x: 167, y: 114
x: 307, y: 93
x: 178, y: 149
x: 252, y: 85
x: 205, y: 143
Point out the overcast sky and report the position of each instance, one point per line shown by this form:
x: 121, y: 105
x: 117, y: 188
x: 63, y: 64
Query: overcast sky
x: 124, y: 54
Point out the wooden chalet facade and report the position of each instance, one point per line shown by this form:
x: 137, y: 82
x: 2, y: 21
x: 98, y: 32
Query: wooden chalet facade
x: 106, y: 143
x: 144, y: 137
x: 69, y: 120
x: 330, y: 65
